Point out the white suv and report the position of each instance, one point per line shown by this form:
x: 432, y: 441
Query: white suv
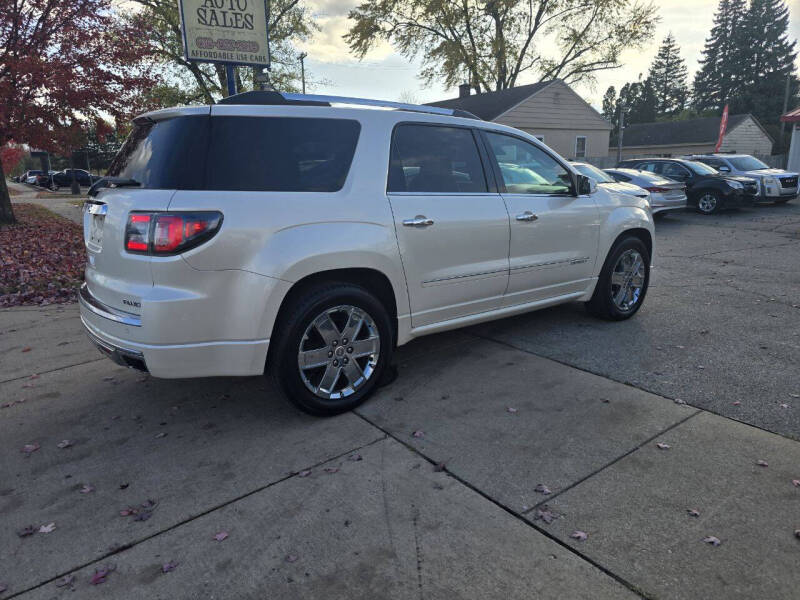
x: 308, y: 236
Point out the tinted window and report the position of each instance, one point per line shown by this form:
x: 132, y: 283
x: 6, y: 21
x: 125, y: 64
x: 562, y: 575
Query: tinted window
x: 712, y: 162
x: 674, y: 171
x: 594, y: 173
x: 280, y: 154
x: 167, y: 154
x: 700, y: 168
x: 435, y: 159
x: 239, y: 154
x: 620, y: 177
x: 526, y: 169
x: 747, y: 163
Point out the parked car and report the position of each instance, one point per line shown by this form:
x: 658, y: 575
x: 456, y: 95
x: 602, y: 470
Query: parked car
x: 706, y: 189
x: 609, y: 183
x: 44, y: 180
x: 665, y: 194
x: 309, y: 239
x: 30, y: 176
x: 775, y: 185
x: 64, y: 178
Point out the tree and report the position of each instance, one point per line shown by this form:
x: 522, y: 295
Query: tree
x: 768, y: 60
x: 668, y: 76
x: 491, y: 43
x: 193, y: 82
x: 637, y: 100
x: 722, y: 65
x: 63, y: 63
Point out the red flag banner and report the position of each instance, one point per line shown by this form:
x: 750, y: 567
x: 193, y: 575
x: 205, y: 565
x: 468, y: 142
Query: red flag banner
x: 723, y: 127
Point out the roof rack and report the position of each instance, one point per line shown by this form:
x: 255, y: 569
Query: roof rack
x: 277, y: 98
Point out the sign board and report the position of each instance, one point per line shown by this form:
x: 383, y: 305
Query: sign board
x: 225, y: 31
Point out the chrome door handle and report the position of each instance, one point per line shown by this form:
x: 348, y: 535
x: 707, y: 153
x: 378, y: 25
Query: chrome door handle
x: 527, y: 216
x: 418, y: 221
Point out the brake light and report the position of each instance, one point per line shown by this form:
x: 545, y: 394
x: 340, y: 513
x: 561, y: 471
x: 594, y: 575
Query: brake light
x: 169, y: 233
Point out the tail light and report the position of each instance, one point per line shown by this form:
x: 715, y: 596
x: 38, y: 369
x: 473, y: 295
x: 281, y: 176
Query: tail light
x: 657, y: 190
x: 163, y: 234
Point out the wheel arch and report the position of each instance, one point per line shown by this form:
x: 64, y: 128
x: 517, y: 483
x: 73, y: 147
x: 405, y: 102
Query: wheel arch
x: 622, y: 222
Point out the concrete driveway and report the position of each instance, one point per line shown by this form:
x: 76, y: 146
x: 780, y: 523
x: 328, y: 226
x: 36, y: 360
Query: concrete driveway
x: 357, y: 507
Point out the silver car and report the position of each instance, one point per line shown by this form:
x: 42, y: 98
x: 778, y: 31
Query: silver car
x: 665, y: 194
x: 609, y: 183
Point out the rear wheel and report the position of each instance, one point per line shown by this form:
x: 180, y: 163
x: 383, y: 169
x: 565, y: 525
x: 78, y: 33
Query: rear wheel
x: 709, y: 202
x: 333, y: 349
x: 623, y: 281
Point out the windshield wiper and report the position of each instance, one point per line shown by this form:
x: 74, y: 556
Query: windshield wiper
x: 111, y: 182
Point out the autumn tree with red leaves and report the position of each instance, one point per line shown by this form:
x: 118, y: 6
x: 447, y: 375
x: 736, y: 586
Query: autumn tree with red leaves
x: 64, y: 64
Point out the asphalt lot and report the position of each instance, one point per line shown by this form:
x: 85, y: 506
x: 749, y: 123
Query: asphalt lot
x: 355, y: 506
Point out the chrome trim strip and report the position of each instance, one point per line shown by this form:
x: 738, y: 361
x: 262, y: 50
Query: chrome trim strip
x: 112, y: 348
x: 571, y: 261
x: 92, y: 304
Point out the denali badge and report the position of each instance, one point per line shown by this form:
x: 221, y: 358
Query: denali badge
x: 132, y: 303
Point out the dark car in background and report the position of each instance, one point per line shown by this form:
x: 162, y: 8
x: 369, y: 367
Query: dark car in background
x: 707, y: 189
x: 64, y: 179
x: 775, y: 185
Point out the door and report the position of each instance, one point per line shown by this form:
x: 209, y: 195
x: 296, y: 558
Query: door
x: 554, y: 233
x: 452, y: 231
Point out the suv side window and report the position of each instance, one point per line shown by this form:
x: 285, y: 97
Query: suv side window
x: 675, y: 171
x: 713, y: 162
x: 526, y: 169
x: 435, y: 159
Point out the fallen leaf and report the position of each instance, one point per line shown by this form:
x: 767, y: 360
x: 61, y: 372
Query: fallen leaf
x: 3, y: 587
x: 26, y: 349
x: 663, y: 446
x: 143, y: 515
x: 679, y: 401
x: 101, y: 574
x: 331, y: 470
x: 124, y: 486
x: 511, y: 409
x: 305, y: 473
x: 65, y: 444
x: 797, y: 533
x: 784, y: 405
x: 418, y: 433
x: 108, y: 378
x: 221, y: 536
x: 161, y: 435
x: 796, y: 482
x: 87, y: 488
x: 290, y: 558
x: 127, y: 512
x: 542, y: 489
x: 66, y: 580
x: 762, y: 463
x: 49, y: 528
x: 545, y: 514
x: 34, y: 376
x: 737, y: 403
x: 29, y: 448
x: 692, y: 512
x: 169, y: 566
x: 439, y: 467
x: 26, y: 531
x: 149, y: 504
x: 355, y: 457
x: 794, y: 395
x: 579, y: 535
x: 710, y: 539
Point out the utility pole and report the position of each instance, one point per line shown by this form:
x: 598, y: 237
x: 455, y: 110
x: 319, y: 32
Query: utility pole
x: 785, y: 109
x: 302, y: 58
x: 620, y: 134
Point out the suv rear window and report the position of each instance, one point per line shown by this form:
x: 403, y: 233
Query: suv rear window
x: 239, y: 154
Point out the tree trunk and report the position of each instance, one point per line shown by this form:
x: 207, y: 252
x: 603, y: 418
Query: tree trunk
x: 6, y: 212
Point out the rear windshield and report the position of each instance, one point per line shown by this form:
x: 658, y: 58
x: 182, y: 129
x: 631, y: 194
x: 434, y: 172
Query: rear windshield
x: 239, y: 154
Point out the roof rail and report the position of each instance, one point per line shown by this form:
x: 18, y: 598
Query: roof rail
x: 275, y: 98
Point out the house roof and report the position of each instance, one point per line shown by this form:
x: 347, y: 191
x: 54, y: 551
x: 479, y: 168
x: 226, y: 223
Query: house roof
x: 672, y: 133
x: 792, y: 116
x: 490, y: 105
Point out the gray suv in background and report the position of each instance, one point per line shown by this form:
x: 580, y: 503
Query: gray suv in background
x: 774, y: 185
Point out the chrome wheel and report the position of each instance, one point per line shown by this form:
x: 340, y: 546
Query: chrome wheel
x: 627, y: 280
x: 338, y: 352
x: 707, y: 203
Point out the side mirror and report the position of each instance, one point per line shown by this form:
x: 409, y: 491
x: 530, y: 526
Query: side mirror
x: 724, y: 169
x: 586, y: 185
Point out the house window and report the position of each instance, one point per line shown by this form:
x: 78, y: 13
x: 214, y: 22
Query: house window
x: 580, y: 146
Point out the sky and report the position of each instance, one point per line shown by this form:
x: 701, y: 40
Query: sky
x: 384, y: 74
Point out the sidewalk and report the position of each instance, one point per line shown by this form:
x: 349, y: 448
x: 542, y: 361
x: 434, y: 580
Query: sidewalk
x: 61, y: 203
x: 374, y: 517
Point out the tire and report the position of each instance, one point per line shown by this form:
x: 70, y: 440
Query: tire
x: 604, y: 303
x: 329, y: 353
x: 709, y: 202
x: 54, y: 187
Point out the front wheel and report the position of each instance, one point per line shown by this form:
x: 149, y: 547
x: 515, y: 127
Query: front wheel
x: 333, y: 349
x: 709, y: 202
x: 623, y: 281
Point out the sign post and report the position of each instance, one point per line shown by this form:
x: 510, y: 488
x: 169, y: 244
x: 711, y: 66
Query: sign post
x: 229, y: 32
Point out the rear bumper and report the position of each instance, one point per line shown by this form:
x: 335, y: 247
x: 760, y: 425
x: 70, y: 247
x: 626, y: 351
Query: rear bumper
x: 660, y: 204
x: 112, y: 331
